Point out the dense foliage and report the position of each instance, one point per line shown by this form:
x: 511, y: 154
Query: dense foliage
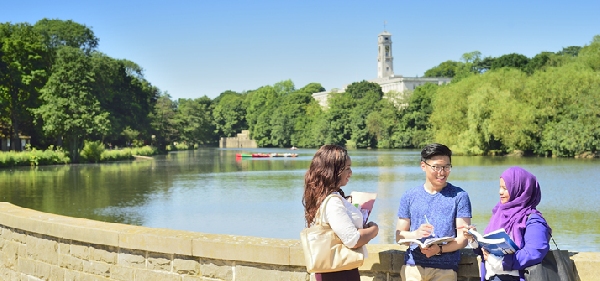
x: 57, y: 88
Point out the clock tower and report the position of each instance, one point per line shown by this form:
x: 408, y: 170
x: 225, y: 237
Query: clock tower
x: 385, y: 60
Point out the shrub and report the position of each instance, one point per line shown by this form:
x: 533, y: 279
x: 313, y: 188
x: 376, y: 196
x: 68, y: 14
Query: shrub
x: 92, y: 151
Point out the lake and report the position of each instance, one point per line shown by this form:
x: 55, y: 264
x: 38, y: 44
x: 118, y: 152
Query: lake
x: 209, y: 190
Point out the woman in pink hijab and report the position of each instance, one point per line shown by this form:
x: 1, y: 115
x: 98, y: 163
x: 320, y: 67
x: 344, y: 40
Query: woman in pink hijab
x: 516, y: 212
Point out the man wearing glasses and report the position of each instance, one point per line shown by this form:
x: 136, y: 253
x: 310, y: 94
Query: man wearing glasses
x: 435, y: 209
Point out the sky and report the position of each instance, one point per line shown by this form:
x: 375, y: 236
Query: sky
x: 201, y: 48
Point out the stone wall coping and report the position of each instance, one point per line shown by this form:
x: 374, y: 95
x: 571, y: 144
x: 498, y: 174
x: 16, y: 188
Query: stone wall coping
x: 381, y: 257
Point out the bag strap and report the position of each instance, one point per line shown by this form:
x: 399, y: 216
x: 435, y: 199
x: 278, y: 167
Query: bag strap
x: 321, y: 211
x: 551, y: 238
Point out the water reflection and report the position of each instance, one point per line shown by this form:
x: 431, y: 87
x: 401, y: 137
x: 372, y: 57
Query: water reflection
x: 209, y: 190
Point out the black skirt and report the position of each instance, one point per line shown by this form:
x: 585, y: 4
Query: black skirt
x: 346, y: 275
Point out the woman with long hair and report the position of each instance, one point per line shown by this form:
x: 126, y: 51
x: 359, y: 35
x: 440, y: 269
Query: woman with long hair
x: 330, y: 170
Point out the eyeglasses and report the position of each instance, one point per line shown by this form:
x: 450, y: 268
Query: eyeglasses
x: 438, y: 169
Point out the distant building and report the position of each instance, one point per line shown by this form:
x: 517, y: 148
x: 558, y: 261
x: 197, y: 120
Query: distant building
x: 385, y: 73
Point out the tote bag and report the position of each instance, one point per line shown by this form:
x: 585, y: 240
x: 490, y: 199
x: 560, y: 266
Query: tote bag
x: 324, y: 251
x: 556, y: 266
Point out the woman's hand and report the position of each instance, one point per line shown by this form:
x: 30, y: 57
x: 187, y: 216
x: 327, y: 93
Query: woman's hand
x: 485, y: 254
x: 374, y: 225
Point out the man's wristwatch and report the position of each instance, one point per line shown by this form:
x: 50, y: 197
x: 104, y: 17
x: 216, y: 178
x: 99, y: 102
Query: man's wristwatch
x: 440, y: 252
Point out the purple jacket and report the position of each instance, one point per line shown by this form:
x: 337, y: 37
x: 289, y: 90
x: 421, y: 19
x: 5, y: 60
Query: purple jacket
x: 533, y: 249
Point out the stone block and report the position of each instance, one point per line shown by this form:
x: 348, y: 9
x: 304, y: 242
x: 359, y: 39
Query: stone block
x: 90, y: 277
x: 80, y: 251
x: 42, y: 270
x: 244, y: 248
x: 70, y: 262
x: 383, y: 257
x: 104, y: 254
x: 157, y: 240
x: 196, y: 278
x: 469, y: 264
x: 64, y: 246
x: 151, y: 275
x: 88, y: 231
x: 42, y: 248
x: 10, y: 253
x: 72, y: 275
x: 587, y: 265
x: 122, y: 273
x: 132, y: 258
x: 250, y: 273
x: 56, y: 273
x: 186, y: 265
x: 158, y: 261
x: 26, y: 266
x: 96, y: 268
x: 217, y: 269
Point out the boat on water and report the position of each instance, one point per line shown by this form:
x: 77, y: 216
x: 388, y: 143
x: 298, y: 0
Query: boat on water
x: 264, y: 155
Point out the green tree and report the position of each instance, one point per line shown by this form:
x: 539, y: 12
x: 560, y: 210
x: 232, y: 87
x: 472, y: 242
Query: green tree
x: 590, y: 54
x: 123, y: 91
x: 572, y: 51
x: 69, y: 109
x: 445, y: 69
x: 511, y: 60
x: 311, y: 88
x: 539, y: 62
x: 335, y: 126
x: 358, y: 90
x: 58, y: 33
x: 195, y: 121
x: 22, y: 74
x: 360, y: 135
x: 229, y: 114
x: 414, y: 129
x: 164, y: 123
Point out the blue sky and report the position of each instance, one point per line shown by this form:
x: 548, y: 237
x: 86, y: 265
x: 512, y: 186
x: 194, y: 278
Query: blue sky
x: 202, y: 48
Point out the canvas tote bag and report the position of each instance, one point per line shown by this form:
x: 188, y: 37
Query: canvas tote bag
x: 323, y: 250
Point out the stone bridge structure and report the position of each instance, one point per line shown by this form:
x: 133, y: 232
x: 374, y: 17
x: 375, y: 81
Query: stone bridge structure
x: 42, y: 246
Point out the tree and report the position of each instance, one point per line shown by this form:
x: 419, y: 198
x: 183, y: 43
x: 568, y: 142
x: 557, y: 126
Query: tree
x: 572, y: 51
x: 359, y: 131
x: 538, y: 62
x: 22, y: 73
x: 511, y: 60
x: 445, y: 69
x: 358, y: 90
x: 229, y: 114
x: 311, y: 88
x: 194, y: 119
x: 483, y: 65
x: 123, y: 91
x: 163, y: 121
x: 59, y: 33
x: 69, y: 109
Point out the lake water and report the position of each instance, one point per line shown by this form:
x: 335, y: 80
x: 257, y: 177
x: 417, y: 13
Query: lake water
x: 209, y: 190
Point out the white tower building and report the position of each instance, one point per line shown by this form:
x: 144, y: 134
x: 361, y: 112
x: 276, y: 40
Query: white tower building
x: 385, y: 60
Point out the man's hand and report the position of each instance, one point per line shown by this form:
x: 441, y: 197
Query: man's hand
x: 430, y: 251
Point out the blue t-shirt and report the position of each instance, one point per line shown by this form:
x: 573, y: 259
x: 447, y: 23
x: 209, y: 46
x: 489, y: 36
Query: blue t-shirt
x: 441, y: 210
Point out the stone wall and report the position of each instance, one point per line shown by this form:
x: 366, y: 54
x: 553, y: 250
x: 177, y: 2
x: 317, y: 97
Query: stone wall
x: 242, y: 140
x: 42, y: 246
